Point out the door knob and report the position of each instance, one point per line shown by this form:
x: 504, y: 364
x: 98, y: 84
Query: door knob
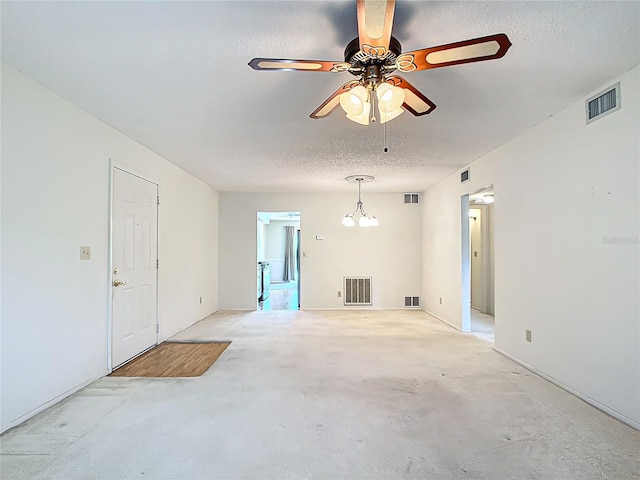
x: 117, y: 283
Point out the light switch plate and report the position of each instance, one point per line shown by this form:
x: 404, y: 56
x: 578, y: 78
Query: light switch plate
x: 319, y: 237
x: 85, y: 253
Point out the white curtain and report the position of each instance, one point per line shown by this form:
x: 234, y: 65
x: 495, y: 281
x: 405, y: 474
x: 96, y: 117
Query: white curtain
x: 289, y: 254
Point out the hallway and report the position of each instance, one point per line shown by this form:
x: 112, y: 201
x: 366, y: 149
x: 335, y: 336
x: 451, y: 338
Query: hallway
x: 326, y: 395
x: 483, y: 325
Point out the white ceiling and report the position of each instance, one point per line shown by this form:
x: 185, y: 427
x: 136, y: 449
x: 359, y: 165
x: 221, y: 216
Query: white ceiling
x: 174, y: 77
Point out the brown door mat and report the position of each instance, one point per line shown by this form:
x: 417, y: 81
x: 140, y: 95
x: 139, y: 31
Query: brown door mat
x: 173, y: 359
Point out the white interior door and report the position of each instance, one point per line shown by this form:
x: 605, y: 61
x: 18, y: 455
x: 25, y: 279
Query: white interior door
x: 134, y: 246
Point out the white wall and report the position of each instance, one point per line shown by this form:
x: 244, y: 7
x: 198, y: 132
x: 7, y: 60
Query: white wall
x: 566, y: 250
x: 391, y: 253
x: 55, y: 198
x: 261, y: 236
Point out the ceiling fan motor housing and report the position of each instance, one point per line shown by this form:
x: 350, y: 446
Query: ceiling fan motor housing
x: 372, y: 75
x: 374, y: 67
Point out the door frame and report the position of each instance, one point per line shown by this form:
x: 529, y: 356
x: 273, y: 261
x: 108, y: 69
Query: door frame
x: 484, y: 256
x: 465, y: 237
x: 465, y: 257
x: 487, y: 256
x: 299, y: 258
x: 297, y: 239
x: 114, y: 164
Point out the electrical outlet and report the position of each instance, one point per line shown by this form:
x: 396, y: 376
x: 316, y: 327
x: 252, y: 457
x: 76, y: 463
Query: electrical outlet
x: 440, y: 300
x: 528, y: 335
x: 339, y: 293
x: 85, y: 253
x: 200, y: 300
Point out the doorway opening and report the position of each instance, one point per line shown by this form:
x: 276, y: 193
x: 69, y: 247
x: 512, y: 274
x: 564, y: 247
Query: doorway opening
x: 278, y: 269
x: 479, y: 270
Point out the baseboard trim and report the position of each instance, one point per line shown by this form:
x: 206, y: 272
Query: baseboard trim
x: 164, y: 337
x: 360, y: 309
x: 32, y: 413
x: 345, y: 309
x: 444, y: 321
x: 600, y: 406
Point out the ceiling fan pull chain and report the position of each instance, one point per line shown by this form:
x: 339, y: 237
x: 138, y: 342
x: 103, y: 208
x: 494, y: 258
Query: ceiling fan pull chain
x: 385, y: 137
x: 372, y: 96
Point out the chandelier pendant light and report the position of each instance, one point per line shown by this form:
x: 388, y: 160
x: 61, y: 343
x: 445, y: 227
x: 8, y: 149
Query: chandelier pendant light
x: 359, y: 217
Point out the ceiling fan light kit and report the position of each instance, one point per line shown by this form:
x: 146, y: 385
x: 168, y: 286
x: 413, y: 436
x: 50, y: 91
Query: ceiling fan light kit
x: 353, y: 101
x: 374, y: 56
x: 359, y: 217
x: 390, y: 98
x: 356, y: 103
x: 363, y: 117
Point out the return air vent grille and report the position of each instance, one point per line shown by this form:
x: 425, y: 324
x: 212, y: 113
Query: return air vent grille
x: 411, y: 301
x: 603, y: 103
x: 411, y: 198
x: 357, y: 291
x: 464, y: 176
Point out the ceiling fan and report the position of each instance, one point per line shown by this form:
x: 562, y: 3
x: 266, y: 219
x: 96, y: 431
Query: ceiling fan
x: 374, y: 56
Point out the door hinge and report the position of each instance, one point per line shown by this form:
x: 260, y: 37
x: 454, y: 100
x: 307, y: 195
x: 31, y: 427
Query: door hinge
x: 157, y: 264
x: 157, y: 328
x: 158, y: 200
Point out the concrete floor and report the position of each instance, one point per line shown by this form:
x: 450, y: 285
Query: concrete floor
x: 483, y: 325
x: 327, y: 395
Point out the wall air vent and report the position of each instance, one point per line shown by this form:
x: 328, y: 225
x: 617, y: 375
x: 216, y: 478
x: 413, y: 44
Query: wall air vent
x: 357, y: 291
x: 411, y: 198
x: 464, y: 176
x: 411, y: 301
x: 604, y: 103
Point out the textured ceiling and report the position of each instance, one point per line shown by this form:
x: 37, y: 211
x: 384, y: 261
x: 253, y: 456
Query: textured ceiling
x: 174, y: 77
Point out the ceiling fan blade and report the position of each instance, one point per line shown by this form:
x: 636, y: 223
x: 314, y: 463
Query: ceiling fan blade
x: 467, y: 51
x: 414, y: 100
x: 301, y: 65
x: 333, y: 101
x: 375, y: 21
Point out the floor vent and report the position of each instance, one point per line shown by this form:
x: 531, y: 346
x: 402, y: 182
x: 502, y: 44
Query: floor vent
x: 464, y: 176
x: 411, y: 198
x: 603, y: 103
x: 357, y: 291
x: 411, y: 301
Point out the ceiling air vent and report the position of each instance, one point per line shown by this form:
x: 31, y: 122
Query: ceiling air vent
x: 604, y: 103
x: 464, y: 176
x: 411, y: 198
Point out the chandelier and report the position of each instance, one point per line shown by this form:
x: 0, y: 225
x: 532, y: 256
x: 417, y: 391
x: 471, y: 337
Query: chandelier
x: 359, y: 216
